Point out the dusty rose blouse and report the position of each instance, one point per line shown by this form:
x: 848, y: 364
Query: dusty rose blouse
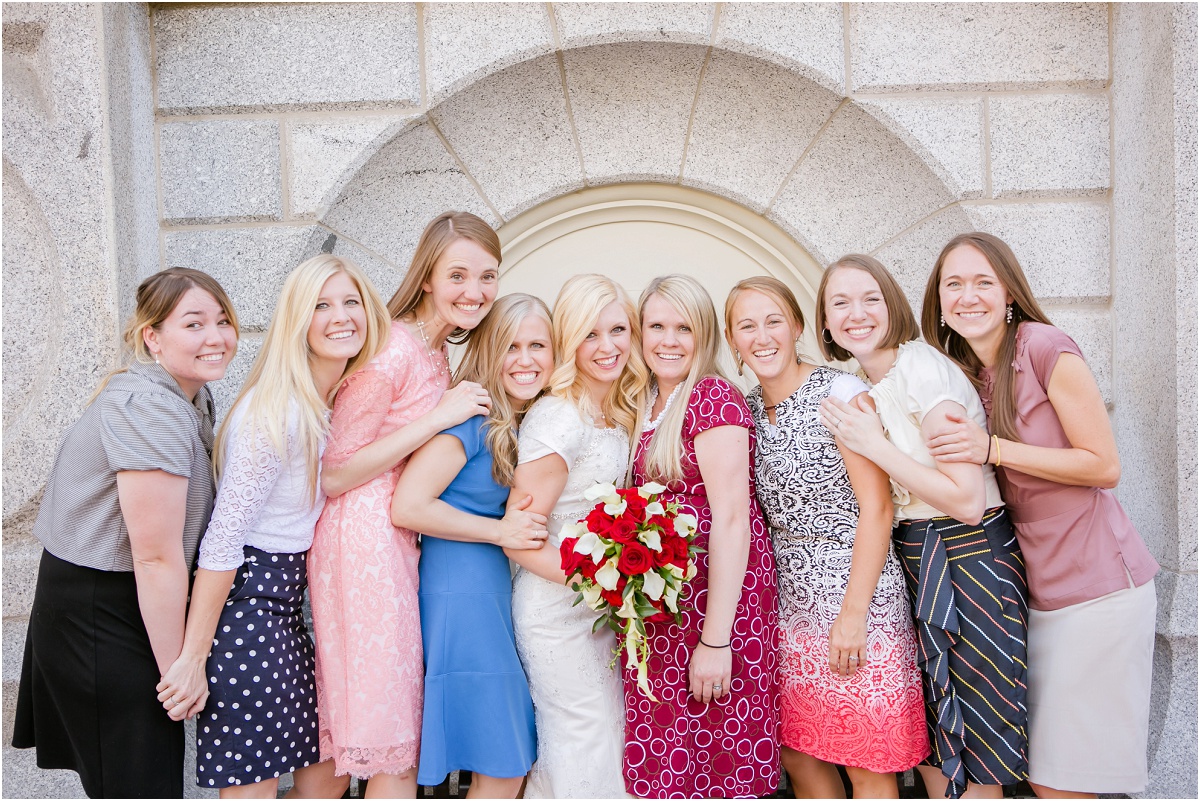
x: 1078, y: 542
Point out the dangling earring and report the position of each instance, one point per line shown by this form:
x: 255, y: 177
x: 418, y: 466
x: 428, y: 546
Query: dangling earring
x: 824, y: 333
x: 943, y: 319
x: 156, y: 358
x: 1008, y: 314
x: 737, y: 357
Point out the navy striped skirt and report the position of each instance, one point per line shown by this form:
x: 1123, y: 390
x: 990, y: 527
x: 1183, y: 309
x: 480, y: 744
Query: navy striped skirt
x: 261, y: 717
x: 967, y: 586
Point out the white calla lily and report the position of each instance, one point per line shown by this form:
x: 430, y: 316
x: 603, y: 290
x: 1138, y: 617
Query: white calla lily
x: 671, y: 598
x: 591, y: 597
x: 651, y: 488
x: 653, y: 585
x: 676, y: 571
x: 685, y: 524
x: 652, y: 539
x: 587, y: 541
x: 573, y: 530
x: 607, y: 576
x: 655, y: 508
x: 605, y: 492
x: 616, y: 508
x: 691, y: 572
x: 627, y: 610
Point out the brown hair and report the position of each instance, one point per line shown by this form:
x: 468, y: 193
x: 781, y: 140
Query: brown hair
x: 442, y: 232
x: 773, y: 288
x: 157, y: 297
x: 1024, y: 307
x: 902, y: 326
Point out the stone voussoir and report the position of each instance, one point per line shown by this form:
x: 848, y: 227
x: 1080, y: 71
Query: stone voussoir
x: 583, y: 24
x: 946, y: 132
x: 465, y: 42
x: 512, y: 133
x: 802, y: 37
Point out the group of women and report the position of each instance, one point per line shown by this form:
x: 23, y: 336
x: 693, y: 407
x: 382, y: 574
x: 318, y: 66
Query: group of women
x: 882, y: 583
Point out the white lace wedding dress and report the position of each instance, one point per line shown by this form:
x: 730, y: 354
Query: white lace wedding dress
x: 577, y: 698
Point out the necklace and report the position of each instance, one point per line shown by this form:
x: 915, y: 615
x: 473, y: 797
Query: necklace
x: 438, y: 365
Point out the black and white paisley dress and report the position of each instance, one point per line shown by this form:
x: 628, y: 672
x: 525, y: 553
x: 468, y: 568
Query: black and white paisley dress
x: 876, y: 719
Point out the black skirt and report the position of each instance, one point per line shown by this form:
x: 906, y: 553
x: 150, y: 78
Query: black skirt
x: 87, y: 699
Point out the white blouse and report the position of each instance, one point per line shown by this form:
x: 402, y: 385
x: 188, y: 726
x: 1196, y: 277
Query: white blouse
x: 921, y: 378
x: 262, y: 499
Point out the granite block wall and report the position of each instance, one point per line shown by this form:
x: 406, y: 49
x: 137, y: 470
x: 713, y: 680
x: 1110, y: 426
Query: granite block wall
x: 241, y: 139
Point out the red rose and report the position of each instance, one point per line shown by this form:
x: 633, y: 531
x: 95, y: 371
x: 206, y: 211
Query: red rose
x: 623, y: 529
x: 588, y: 568
x: 635, y: 504
x: 612, y: 598
x: 598, y: 521
x: 664, y: 523
x: 635, y: 559
x: 571, y: 561
x: 663, y: 557
x: 679, y: 552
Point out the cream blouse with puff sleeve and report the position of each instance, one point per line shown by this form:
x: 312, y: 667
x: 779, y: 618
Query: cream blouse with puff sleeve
x: 920, y: 379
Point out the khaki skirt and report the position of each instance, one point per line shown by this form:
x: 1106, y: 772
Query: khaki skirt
x: 1089, y: 692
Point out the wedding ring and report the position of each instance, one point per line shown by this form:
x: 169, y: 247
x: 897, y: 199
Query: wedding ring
x: 716, y: 688
x: 853, y: 659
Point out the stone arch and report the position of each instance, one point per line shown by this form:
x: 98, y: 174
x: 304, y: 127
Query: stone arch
x: 767, y: 134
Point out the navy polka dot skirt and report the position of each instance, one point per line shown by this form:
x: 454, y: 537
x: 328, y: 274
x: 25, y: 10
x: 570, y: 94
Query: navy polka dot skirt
x: 261, y: 717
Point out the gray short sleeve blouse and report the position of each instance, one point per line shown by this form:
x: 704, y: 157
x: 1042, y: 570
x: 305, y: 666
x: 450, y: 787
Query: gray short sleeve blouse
x: 141, y: 421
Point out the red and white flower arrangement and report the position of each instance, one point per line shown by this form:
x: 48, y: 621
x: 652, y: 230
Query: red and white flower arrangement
x: 629, y: 560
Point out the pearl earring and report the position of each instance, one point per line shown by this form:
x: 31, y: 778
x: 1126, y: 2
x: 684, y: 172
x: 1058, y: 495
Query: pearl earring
x: 943, y: 319
x: 1008, y: 314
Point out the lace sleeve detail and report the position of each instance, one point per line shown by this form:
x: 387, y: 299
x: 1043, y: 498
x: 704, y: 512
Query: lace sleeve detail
x: 553, y: 425
x: 358, y: 414
x: 250, y: 473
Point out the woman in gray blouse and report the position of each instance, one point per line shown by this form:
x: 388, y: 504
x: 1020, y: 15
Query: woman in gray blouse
x: 129, y: 495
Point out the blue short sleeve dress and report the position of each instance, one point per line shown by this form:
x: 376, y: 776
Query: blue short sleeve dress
x: 478, y: 712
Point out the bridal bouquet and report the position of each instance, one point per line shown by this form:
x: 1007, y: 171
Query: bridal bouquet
x: 629, y: 560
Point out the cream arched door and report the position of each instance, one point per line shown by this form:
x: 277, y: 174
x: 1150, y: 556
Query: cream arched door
x: 634, y: 232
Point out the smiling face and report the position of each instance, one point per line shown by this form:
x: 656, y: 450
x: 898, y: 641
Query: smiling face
x: 462, y: 286
x: 668, y: 342
x: 855, y: 311
x: 529, y: 361
x: 972, y: 298
x: 339, y: 321
x: 763, y: 334
x: 605, y: 349
x: 195, y: 343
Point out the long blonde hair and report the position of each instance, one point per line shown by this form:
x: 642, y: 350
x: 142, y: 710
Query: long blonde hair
x: 442, y: 232
x: 157, y: 297
x: 281, y: 373
x: 664, y: 453
x: 576, y: 312
x: 483, y: 363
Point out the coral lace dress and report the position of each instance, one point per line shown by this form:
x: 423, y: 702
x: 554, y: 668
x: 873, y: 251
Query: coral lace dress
x: 362, y: 574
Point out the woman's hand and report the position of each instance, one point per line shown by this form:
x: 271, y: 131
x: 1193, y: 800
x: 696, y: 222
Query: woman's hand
x: 461, y: 403
x: 847, y: 643
x: 184, y: 690
x: 961, y: 440
x: 709, y: 673
x: 854, y: 425
x: 522, y: 530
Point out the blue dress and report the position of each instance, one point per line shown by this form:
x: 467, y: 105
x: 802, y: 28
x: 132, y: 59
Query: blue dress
x: 478, y: 713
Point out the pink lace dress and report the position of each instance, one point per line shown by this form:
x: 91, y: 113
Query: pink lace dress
x: 679, y: 747
x: 363, y: 575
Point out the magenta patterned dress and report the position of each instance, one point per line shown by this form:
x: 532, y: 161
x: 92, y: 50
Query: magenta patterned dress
x: 362, y: 575
x: 679, y: 747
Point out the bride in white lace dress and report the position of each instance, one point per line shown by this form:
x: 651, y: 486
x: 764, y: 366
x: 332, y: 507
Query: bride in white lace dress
x: 571, y: 439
